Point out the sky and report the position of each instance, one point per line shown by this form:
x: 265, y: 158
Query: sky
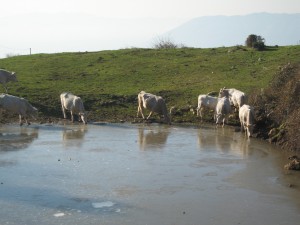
x: 50, y: 26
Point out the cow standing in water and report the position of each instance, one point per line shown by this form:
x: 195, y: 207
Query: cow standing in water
x: 19, y: 106
x: 154, y: 104
x: 206, y: 102
x: 246, y: 115
x: 6, y: 76
x: 223, y: 109
x: 74, y: 104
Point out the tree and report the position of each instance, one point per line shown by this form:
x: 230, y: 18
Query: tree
x: 256, y: 42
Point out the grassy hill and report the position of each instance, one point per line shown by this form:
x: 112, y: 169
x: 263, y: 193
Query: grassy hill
x: 109, y: 81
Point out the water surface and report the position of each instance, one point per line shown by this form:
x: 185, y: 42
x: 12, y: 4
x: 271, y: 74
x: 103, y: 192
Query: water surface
x: 114, y: 174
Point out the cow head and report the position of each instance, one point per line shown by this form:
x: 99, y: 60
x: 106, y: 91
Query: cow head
x: 223, y: 93
x: 34, y: 113
x: 167, y: 118
x: 249, y: 130
x: 83, y: 116
x: 13, y: 77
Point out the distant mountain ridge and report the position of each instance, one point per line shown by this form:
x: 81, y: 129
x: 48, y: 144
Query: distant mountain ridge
x: 218, y: 31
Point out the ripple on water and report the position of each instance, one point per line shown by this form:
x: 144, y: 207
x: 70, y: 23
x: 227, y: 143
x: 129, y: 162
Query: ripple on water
x: 99, y: 205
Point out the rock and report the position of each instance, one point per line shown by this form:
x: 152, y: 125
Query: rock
x: 272, y: 132
x: 293, y: 165
x: 293, y: 157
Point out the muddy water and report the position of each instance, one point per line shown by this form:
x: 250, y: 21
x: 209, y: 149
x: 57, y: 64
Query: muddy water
x: 125, y: 174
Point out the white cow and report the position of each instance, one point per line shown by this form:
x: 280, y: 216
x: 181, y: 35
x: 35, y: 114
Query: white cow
x: 18, y: 105
x: 154, y: 104
x: 6, y: 76
x: 74, y: 104
x: 247, y: 117
x: 206, y: 102
x: 223, y: 109
x: 237, y: 98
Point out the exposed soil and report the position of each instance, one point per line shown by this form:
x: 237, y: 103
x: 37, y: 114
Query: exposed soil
x: 278, y: 109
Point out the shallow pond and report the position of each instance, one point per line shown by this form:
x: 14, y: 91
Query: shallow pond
x: 113, y: 174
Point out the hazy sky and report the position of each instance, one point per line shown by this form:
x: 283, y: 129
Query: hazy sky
x: 55, y: 25
x: 150, y: 8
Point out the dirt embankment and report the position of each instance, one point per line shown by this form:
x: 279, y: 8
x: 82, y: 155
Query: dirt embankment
x: 278, y: 109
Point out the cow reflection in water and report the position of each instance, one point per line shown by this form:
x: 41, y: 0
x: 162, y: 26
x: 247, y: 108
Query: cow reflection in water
x: 74, y: 137
x: 240, y: 143
x: 225, y: 140
x: 21, y: 139
x: 152, y: 137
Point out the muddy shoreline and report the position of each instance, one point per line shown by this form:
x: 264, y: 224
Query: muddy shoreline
x: 259, y: 132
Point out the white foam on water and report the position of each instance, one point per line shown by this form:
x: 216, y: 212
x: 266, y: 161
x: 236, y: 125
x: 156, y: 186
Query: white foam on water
x: 59, y: 214
x: 98, y: 205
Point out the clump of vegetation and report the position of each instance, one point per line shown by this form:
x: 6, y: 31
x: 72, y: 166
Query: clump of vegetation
x: 256, y: 42
x: 166, y: 43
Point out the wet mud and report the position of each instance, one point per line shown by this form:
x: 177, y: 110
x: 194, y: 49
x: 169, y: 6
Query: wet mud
x: 112, y: 174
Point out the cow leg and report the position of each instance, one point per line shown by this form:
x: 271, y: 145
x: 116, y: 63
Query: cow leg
x: 242, y: 127
x: 5, y: 88
x: 140, y: 110
x: 72, y: 117
x: 64, y: 111
x: 248, y: 131
x: 26, y: 120
x: 20, y: 120
x: 226, y: 118
x: 199, y: 112
x: 149, y: 115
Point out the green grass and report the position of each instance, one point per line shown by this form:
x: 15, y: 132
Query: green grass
x: 109, y: 81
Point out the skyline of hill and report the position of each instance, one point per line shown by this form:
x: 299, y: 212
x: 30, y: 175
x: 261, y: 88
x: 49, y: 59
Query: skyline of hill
x: 218, y: 31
